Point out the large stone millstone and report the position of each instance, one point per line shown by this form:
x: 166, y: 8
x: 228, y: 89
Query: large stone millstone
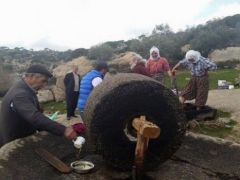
x: 18, y: 159
x: 111, y: 108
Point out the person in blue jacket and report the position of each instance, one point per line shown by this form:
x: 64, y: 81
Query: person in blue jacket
x: 89, y: 81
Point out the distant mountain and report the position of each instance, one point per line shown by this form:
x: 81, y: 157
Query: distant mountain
x: 46, y: 56
x: 215, y: 34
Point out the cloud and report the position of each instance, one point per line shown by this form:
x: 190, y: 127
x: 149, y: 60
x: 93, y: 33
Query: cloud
x: 46, y: 42
x: 60, y: 24
x: 221, y: 11
x: 226, y: 10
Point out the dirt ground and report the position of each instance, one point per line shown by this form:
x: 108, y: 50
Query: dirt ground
x: 228, y: 100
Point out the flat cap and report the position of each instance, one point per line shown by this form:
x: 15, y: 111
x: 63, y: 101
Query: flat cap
x: 101, y: 65
x: 37, y: 68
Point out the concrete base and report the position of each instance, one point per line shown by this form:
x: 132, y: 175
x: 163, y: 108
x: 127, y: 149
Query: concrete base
x: 200, y: 157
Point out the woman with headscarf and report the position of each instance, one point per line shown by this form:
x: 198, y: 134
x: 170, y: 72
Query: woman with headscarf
x: 137, y: 65
x: 157, y: 65
x: 198, y: 86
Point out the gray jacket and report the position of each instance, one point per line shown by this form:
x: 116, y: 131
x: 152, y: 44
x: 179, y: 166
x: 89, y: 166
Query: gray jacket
x: 20, y: 115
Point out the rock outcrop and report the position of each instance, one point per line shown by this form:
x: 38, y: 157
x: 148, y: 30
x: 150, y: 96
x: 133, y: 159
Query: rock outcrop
x: 119, y: 63
x: 45, y: 96
x: 230, y: 53
x: 84, y: 65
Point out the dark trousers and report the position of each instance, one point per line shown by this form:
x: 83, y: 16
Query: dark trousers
x: 81, y: 114
x: 71, y: 99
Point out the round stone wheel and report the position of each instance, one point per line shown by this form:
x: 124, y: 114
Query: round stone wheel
x: 114, y: 104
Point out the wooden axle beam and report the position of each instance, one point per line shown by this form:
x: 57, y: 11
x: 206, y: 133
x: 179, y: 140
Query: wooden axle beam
x: 145, y: 130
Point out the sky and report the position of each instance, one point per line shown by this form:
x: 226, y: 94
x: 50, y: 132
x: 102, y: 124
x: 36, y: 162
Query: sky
x: 71, y: 24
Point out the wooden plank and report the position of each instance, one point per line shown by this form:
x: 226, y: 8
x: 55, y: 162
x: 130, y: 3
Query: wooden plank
x: 53, y: 160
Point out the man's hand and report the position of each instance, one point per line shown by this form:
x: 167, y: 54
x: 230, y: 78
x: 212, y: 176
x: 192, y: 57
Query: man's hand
x: 174, y: 72
x: 170, y: 73
x: 175, y: 67
x: 69, y: 133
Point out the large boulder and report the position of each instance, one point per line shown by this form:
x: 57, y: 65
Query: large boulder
x: 121, y: 62
x: 45, y: 96
x: 7, y: 79
x: 84, y: 65
x: 59, y: 93
x: 230, y: 53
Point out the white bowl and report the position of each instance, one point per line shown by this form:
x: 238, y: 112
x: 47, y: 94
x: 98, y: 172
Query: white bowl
x: 82, y: 167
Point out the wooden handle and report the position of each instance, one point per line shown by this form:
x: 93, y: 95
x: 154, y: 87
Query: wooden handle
x: 146, y: 128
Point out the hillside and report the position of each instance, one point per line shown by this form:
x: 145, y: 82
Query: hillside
x: 218, y: 38
x: 215, y: 34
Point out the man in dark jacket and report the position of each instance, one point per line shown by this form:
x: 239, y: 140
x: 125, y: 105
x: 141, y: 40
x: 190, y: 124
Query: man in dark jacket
x: 20, y: 114
x: 71, y: 82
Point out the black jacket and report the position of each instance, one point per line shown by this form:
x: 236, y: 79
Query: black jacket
x: 69, y: 82
x: 20, y: 115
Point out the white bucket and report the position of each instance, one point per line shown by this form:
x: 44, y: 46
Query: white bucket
x: 231, y: 86
x: 222, y: 82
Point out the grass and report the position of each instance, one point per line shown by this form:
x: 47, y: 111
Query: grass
x: 223, y: 114
x: 203, y: 128
x: 228, y: 74
x: 52, y: 107
x: 225, y: 74
x: 220, y: 132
